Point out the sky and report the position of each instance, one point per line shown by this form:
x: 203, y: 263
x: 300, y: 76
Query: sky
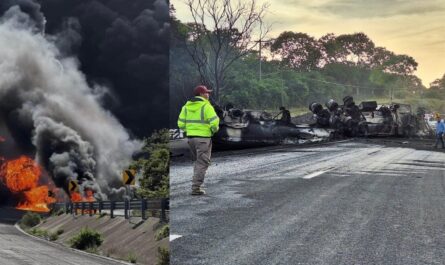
x: 412, y: 27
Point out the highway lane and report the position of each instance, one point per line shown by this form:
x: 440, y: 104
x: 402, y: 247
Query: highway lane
x: 353, y: 202
x: 17, y: 248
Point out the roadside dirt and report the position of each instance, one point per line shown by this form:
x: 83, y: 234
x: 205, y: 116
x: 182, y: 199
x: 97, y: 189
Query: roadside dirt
x: 121, y: 237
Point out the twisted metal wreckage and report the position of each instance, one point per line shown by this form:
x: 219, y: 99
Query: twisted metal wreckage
x: 242, y: 128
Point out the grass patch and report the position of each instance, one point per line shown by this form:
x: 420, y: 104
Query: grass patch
x: 92, y: 250
x: 30, y: 219
x: 131, y: 257
x: 86, y: 239
x: 163, y: 232
x: 38, y: 232
x: 53, y: 236
x: 43, y: 233
x: 163, y: 256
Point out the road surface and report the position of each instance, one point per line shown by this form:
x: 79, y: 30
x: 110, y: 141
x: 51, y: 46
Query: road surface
x: 17, y: 248
x: 350, y: 202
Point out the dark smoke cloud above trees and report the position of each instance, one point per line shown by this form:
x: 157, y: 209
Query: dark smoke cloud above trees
x: 121, y: 44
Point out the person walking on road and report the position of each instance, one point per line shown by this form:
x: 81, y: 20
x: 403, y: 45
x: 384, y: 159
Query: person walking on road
x: 199, y: 121
x: 440, y: 130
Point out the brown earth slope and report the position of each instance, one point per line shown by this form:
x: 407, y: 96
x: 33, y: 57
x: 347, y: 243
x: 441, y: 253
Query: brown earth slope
x: 121, y: 237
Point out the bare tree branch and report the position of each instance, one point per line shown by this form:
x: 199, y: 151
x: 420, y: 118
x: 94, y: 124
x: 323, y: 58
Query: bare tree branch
x: 222, y: 33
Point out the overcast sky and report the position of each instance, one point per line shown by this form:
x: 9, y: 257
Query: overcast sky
x: 412, y: 27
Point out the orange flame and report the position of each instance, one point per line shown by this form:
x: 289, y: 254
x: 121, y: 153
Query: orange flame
x: 89, y: 196
x: 21, y: 177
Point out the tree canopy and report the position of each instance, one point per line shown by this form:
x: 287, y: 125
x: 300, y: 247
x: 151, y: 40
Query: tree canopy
x: 302, y: 69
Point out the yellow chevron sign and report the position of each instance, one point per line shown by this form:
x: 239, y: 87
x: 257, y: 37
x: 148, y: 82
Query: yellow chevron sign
x: 129, y: 177
x: 73, y: 186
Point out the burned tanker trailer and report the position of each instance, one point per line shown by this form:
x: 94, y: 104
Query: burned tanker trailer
x: 344, y: 120
x: 393, y: 120
x: 249, y: 128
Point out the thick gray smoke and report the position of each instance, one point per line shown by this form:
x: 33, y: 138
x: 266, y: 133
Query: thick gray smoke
x: 47, y: 98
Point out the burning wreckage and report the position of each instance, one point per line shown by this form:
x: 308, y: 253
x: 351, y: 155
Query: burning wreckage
x: 243, y: 128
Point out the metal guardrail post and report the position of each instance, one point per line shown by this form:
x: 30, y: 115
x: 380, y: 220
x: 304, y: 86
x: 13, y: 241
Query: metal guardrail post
x: 126, y: 206
x: 83, y: 207
x: 91, y: 209
x: 76, y: 207
x: 112, y: 209
x: 143, y: 209
x: 100, y: 207
x: 164, y: 207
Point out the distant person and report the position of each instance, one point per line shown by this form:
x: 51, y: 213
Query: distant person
x: 199, y: 121
x: 285, y: 115
x: 440, y: 129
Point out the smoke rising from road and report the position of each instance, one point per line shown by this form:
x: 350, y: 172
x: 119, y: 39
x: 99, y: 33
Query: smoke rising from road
x: 47, y: 105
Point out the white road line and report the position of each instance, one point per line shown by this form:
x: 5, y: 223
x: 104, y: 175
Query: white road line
x: 314, y: 174
x: 173, y: 237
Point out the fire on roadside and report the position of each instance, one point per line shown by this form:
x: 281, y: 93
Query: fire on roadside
x: 21, y: 177
x: 88, y: 196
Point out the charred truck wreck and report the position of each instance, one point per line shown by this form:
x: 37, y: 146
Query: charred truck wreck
x: 346, y: 120
x: 244, y: 128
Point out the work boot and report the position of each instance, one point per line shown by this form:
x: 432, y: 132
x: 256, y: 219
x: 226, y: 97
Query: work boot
x: 198, y: 191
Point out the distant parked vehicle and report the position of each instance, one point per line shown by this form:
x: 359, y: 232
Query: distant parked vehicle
x: 432, y: 122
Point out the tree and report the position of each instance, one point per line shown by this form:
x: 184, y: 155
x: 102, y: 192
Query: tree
x: 154, y: 167
x: 297, y: 50
x: 183, y: 74
x: 221, y: 33
x: 357, y: 47
x: 400, y: 65
x: 438, y: 83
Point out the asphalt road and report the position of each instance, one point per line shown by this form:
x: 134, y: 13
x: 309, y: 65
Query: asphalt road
x: 352, y: 202
x: 17, y: 248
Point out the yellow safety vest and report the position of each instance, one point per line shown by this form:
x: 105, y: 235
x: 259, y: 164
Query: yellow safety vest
x: 198, y: 118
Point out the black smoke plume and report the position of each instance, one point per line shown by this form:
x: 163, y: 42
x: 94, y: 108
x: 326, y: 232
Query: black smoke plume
x: 63, y: 63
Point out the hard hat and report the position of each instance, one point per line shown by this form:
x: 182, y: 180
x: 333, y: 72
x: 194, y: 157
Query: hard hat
x: 201, y: 89
x: 437, y: 115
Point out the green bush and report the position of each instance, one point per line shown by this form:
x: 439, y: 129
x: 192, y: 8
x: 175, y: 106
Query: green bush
x: 154, y: 167
x: 38, y: 232
x: 60, y: 231
x: 86, y: 239
x: 92, y: 250
x: 163, y: 232
x: 30, y: 219
x: 163, y: 256
x: 132, y: 258
x: 53, y: 236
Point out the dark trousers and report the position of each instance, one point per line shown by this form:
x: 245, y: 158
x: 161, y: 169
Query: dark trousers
x: 439, y: 138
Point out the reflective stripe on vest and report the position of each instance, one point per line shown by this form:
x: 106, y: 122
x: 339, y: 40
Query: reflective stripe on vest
x: 201, y: 121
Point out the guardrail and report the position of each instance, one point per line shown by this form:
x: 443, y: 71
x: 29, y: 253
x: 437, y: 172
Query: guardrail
x: 176, y: 134
x: 91, y: 208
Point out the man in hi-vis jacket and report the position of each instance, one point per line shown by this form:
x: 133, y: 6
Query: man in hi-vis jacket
x: 199, y: 121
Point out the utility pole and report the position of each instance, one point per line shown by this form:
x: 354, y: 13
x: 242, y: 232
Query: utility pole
x: 260, y: 48
x: 260, y: 59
